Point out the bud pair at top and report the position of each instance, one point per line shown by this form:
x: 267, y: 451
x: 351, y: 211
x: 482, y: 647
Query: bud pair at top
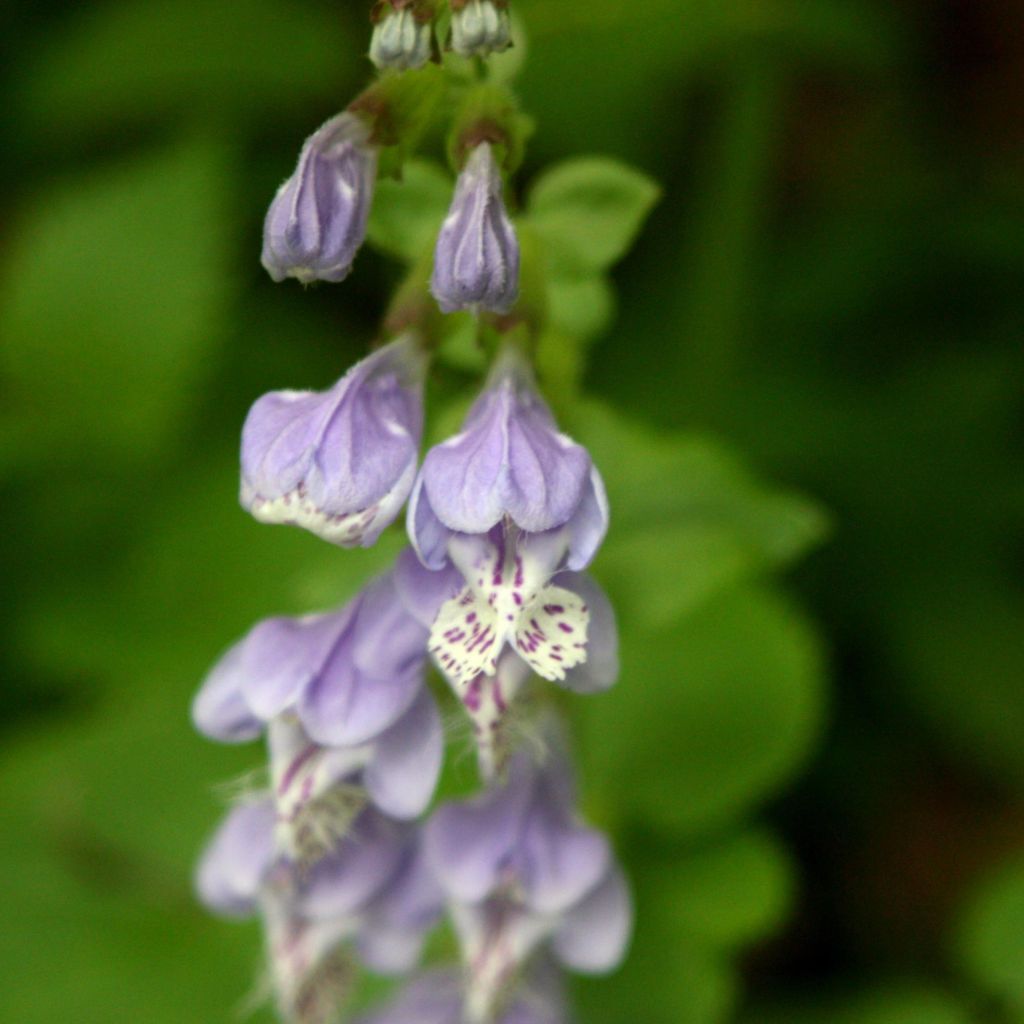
x: 402, y: 31
x: 318, y: 219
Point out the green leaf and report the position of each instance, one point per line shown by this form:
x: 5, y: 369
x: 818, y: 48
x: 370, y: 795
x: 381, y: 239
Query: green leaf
x: 659, y: 574
x: 105, y: 822
x: 588, y: 212
x: 580, y: 307
x: 114, y: 293
x: 116, y: 62
x: 692, y: 914
x: 407, y: 213
x: 674, y: 481
x: 990, y: 934
x: 727, y: 895
x: 732, y: 702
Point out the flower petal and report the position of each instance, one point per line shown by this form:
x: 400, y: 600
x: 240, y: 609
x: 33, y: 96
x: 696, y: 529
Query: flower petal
x: 469, y: 843
x: 601, y: 668
x: 220, y: 710
x: 551, y: 632
x: 510, y: 460
x: 235, y: 863
x: 340, y: 462
x: 594, y: 935
x: 402, y: 775
x: 345, y: 882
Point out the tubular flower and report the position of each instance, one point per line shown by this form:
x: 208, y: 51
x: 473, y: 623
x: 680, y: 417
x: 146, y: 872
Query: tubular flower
x: 518, y: 871
x: 510, y: 502
x: 347, y: 716
x: 372, y: 897
x: 476, y: 260
x: 317, y: 221
x: 339, y: 462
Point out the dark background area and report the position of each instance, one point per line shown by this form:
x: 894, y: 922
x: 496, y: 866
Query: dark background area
x: 827, y: 819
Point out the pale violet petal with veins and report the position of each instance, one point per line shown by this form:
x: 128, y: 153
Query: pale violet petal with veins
x: 476, y: 259
x: 317, y: 220
x: 339, y: 462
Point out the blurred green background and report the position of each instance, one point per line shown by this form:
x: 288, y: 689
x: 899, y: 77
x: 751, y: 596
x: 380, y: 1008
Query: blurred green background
x: 808, y: 412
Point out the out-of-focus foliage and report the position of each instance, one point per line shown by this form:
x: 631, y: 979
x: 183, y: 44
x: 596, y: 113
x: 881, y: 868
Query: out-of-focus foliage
x: 812, y: 763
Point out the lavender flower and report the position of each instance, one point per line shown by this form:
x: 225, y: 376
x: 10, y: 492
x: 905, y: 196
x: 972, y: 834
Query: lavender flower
x: 372, y: 892
x: 519, y: 871
x: 476, y: 261
x: 342, y: 698
x: 401, y: 38
x: 436, y: 998
x: 340, y: 462
x: 480, y: 27
x: 317, y: 221
x: 510, y: 502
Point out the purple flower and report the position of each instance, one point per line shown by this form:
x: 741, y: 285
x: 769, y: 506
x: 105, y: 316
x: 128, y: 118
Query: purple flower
x: 480, y: 27
x: 317, y: 221
x: 339, y: 462
x: 342, y: 698
x: 519, y: 870
x: 372, y: 892
x: 436, y: 998
x: 476, y: 261
x: 510, y: 501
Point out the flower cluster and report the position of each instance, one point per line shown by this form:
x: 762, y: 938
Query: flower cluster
x: 338, y: 853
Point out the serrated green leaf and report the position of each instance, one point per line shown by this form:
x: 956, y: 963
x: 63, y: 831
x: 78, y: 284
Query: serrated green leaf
x: 588, y: 211
x: 113, y: 295
x: 407, y: 213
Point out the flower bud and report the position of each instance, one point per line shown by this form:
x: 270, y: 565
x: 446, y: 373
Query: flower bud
x: 476, y: 261
x: 401, y: 38
x: 480, y: 27
x: 317, y: 220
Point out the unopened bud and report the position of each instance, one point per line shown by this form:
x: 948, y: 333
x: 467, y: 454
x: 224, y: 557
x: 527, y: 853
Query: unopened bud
x: 476, y: 261
x: 480, y: 27
x: 401, y: 38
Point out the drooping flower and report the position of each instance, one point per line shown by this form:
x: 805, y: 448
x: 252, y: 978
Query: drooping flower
x: 348, y: 719
x: 317, y: 220
x: 519, y: 870
x: 476, y: 260
x: 510, y: 502
x: 480, y: 27
x: 339, y: 462
x: 401, y: 35
x: 371, y: 896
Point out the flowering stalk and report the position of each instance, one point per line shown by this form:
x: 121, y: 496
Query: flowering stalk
x: 502, y: 519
